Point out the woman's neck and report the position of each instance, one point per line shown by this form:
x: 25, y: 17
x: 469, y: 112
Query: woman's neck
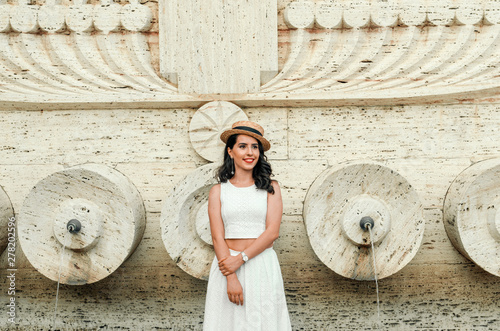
x: 242, y: 178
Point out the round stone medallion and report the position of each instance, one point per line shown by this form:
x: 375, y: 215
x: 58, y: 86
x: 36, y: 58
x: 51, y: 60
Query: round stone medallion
x: 366, y: 206
x: 108, y: 207
x: 472, y: 214
x: 207, y: 125
x: 341, y: 197
x: 90, y: 217
x: 185, y: 225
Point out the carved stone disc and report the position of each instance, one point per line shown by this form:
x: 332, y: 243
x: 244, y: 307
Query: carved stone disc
x: 112, y: 217
x: 51, y: 18
x: 6, y: 214
x: 207, y: 125
x: 184, y: 222
x: 328, y: 14
x: 337, y: 201
x: 136, y: 17
x: 79, y: 18
x: 4, y: 17
x: 24, y: 18
x: 107, y: 17
x: 299, y: 14
x: 472, y: 214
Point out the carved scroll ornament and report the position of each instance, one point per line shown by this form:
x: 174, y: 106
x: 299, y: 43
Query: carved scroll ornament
x: 334, y: 53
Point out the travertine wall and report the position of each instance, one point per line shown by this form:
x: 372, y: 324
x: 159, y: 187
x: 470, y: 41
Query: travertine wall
x: 428, y: 145
x: 410, y: 85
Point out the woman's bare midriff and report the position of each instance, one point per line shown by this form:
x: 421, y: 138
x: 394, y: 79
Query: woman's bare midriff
x: 240, y: 245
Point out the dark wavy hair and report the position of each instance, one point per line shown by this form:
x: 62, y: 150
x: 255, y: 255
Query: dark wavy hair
x: 262, y: 171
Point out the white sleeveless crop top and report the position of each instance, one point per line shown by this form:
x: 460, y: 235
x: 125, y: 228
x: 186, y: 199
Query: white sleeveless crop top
x: 243, y: 211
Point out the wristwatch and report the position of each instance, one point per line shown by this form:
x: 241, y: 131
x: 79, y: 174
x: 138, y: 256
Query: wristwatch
x: 244, y: 256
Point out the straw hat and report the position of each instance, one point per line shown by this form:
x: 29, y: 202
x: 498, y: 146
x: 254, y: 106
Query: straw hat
x: 247, y: 128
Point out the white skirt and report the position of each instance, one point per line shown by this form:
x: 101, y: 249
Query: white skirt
x: 264, y: 304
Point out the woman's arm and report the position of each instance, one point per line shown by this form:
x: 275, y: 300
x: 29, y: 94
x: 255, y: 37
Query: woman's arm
x: 216, y: 223
x: 230, y: 264
x: 234, y: 289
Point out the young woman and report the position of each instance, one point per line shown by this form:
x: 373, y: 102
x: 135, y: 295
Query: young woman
x: 245, y: 287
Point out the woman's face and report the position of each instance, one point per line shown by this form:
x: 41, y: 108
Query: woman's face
x: 245, y: 152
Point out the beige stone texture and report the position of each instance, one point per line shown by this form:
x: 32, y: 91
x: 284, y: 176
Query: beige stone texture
x: 412, y: 86
x: 438, y: 288
x: 200, y: 40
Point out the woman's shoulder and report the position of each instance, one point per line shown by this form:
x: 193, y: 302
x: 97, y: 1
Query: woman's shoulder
x: 215, y: 188
x: 275, y: 184
x: 214, y: 192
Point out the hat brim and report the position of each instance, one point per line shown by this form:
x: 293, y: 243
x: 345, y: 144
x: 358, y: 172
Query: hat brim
x: 226, y: 134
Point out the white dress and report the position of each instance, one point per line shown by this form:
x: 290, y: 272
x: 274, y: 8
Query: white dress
x: 264, y: 305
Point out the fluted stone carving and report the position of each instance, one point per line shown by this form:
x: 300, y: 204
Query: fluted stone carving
x: 335, y: 53
x: 328, y: 14
x: 421, y: 63
x: 80, y: 17
x: 112, y: 217
x: 207, y: 125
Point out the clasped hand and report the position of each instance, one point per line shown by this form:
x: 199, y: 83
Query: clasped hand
x: 234, y: 290
x: 230, y: 264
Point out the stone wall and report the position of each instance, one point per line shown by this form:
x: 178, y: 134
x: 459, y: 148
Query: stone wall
x: 409, y: 85
x: 428, y: 145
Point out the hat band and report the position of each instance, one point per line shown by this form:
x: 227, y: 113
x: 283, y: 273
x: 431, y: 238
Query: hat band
x: 247, y: 128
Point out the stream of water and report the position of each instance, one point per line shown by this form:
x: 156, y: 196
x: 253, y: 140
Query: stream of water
x: 375, y: 272
x: 68, y: 235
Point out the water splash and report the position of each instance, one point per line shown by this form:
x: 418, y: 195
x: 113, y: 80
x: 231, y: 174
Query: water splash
x: 375, y: 271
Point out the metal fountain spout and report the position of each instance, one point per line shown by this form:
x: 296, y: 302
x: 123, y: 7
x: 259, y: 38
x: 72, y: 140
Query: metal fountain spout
x: 366, y: 223
x: 74, y: 226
